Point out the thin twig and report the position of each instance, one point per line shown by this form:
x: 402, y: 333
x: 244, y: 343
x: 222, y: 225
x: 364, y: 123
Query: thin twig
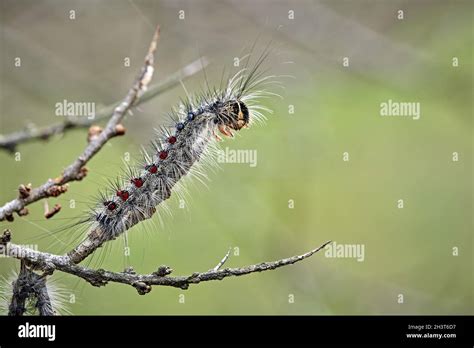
x: 49, y: 213
x: 50, y: 262
x: 76, y: 171
x: 221, y: 262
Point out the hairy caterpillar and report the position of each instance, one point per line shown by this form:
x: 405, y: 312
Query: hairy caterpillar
x: 28, y: 293
x: 173, y: 154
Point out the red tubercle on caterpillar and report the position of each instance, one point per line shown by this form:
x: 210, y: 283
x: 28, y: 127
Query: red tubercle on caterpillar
x: 152, y: 169
x: 172, y: 139
x: 110, y: 205
x: 123, y: 195
x: 138, y: 182
x: 163, y: 155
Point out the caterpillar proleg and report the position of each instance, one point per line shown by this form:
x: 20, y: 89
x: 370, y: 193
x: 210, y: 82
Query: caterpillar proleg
x: 197, y: 123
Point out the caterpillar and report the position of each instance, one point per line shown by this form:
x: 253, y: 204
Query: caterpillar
x: 173, y: 154
x: 28, y: 293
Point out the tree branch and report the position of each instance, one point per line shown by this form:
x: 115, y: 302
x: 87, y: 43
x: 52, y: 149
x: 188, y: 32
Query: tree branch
x: 50, y: 262
x: 221, y: 262
x: 76, y: 171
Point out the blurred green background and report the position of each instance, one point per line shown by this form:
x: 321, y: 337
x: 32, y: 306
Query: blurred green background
x: 300, y: 156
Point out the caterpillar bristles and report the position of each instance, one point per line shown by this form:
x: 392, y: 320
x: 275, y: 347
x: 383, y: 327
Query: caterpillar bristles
x: 175, y: 153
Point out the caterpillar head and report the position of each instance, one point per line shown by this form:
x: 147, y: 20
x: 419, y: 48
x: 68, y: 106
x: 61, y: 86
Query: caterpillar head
x: 233, y: 115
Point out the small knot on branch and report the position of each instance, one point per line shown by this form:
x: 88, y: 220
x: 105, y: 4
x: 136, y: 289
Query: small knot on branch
x: 6, y: 237
x: 97, y: 282
x: 24, y: 191
x: 23, y: 212
x: 49, y: 213
x: 142, y: 288
x: 120, y: 130
x: 184, y: 286
x: 82, y: 173
x: 93, y: 133
x: 56, y: 190
x: 77, y: 175
x: 98, y: 279
x: 163, y: 271
x: 129, y: 270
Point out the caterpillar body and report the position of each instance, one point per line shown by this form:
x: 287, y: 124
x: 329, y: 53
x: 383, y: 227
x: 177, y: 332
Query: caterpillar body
x: 192, y: 138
